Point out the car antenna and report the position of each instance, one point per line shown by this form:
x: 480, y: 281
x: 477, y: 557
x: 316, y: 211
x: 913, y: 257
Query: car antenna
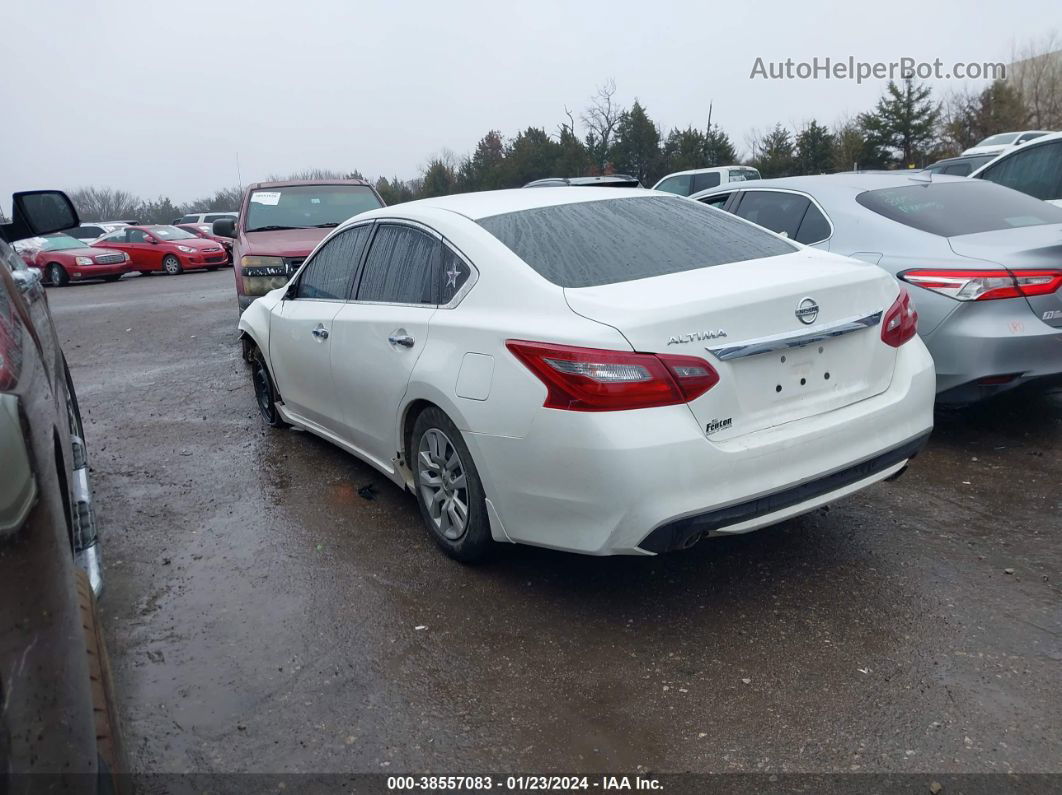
x: 924, y: 175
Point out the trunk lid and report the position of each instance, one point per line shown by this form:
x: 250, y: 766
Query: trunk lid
x: 756, y: 301
x: 1020, y: 249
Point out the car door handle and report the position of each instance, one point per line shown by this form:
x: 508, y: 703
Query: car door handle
x: 320, y: 332
x: 400, y: 337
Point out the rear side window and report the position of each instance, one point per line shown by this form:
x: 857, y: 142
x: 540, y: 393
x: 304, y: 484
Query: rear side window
x: 814, y: 228
x: 188, y: 219
x: 959, y: 208
x: 328, y: 274
x: 705, y: 181
x: 1036, y: 171
x: 619, y: 240
x: 450, y: 276
x: 679, y: 185
x: 399, y: 266
x: 209, y: 219
x: 716, y: 200
x: 779, y: 212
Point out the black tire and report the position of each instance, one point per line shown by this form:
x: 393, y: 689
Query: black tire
x: 265, y: 392
x: 57, y: 275
x: 473, y: 542
x: 171, y: 266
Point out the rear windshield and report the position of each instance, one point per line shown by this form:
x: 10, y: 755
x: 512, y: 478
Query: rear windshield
x: 959, y: 208
x: 619, y: 240
x: 999, y: 140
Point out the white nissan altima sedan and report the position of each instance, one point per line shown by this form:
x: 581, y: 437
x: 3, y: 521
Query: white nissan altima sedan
x: 601, y: 371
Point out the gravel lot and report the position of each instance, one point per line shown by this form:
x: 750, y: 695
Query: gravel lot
x: 261, y: 615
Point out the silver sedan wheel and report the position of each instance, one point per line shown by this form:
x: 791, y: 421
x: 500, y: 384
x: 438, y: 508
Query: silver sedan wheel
x: 442, y: 484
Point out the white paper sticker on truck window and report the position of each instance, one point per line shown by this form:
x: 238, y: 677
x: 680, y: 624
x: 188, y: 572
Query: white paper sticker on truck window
x: 266, y: 197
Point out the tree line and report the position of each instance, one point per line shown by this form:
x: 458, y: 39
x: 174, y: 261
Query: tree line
x: 907, y: 127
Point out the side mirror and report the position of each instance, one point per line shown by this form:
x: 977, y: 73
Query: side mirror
x: 224, y: 227
x: 39, y: 212
x: 153, y: 241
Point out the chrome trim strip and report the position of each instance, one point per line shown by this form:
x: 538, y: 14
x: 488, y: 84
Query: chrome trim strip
x: 781, y: 342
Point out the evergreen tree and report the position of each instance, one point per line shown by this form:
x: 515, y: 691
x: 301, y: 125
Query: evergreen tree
x: 718, y: 150
x: 531, y: 155
x: 683, y: 150
x: 438, y: 180
x: 904, y: 121
x: 773, y: 153
x: 814, y: 149
x: 636, y: 149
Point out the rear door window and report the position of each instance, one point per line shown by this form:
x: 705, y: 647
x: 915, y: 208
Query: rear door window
x: 1036, y: 171
x: 779, y: 212
x: 593, y: 243
x: 328, y: 275
x: 399, y: 268
x: 679, y: 185
x: 963, y: 207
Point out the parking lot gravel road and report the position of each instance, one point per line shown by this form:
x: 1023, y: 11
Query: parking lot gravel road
x: 265, y: 610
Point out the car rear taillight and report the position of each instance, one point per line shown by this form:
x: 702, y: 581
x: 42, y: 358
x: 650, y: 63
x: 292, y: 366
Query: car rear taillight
x: 985, y: 285
x: 590, y: 379
x: 900, y: 322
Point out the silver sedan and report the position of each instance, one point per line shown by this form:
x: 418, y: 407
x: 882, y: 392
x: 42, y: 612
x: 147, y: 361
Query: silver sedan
x: 983, y: 263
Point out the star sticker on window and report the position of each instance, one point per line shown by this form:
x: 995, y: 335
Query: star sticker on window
x: 451, y: 276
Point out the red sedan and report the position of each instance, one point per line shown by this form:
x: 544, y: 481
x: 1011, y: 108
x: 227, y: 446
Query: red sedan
x: 63, y: 259
x: 206, y: 233
x: 164, y: 248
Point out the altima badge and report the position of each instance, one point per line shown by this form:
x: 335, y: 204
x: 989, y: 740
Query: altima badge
x: 806, y: 311
x: 695, y: 336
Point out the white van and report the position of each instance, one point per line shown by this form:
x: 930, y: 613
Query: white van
x: 686, y: 183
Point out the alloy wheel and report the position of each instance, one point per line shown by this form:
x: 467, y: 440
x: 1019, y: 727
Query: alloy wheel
x: 443, y: 486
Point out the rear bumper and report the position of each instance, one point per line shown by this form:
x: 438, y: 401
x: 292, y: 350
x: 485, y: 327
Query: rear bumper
x: 603, y: 483
x: 686, y: 532
x: 990, y: 340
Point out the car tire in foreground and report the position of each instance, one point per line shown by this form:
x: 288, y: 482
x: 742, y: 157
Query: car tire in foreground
x: 57, y: 275
x: 265, y: 392
x: 171, y: 265
x: 448, y: 488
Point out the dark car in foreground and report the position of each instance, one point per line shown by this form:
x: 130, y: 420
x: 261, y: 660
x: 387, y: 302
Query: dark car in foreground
x: 56, y: 705
x: 280, y: 223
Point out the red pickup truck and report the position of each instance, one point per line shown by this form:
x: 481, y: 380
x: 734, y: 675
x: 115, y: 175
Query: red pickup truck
x: 280, y: 223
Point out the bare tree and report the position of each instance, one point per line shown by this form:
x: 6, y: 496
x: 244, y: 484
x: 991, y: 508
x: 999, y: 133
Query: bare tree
x: 602, y: 117
x: 1036, y: 72
x: 105, y: 204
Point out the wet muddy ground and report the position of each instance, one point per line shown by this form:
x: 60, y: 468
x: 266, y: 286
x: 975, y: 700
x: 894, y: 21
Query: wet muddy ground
x: 261, y: 615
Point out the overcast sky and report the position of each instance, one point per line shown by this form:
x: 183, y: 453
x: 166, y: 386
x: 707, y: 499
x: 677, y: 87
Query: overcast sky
x: 158, y: 98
